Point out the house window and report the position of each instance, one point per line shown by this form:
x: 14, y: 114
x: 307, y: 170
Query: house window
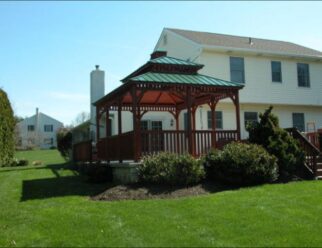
x: 250, y: 117
x: 48, y: 128
x: 219, y: 120
x: 303, y: 76
x: 237, y: 71
x: 298, y: 121
x: 31, y: 128
x: 276, y: 71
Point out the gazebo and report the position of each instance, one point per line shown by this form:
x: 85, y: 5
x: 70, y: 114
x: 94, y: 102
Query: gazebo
x: 165, y: 84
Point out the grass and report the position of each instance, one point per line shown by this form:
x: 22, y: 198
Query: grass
x: 49, y: 206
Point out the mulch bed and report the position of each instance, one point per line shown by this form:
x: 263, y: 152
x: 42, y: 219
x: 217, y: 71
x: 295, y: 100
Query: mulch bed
x: 142, y: 192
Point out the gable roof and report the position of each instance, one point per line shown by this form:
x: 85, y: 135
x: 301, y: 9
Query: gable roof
x: 240, y: 42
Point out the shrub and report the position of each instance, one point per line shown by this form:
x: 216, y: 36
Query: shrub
x: 64, y: 142
x: 277, y: 142
x: 7, y: 126
x: 169, y: 168
x: 241, y: 164
x: 19, y: 162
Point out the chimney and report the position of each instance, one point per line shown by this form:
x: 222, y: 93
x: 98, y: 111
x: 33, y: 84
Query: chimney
x: 37, y: 111
x: 250, y: 41
x: 97, y: 91
x: 157, y: 54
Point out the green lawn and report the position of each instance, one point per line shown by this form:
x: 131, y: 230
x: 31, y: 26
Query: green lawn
x: 49, y: 206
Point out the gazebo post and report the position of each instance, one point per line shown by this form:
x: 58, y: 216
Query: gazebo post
x: 135, y: 126
x: 194, y: 134
x: 189, y: 105
x: 237, y: 114
x: 213, y: 122
x: 107, y: 127
x: 177, y: 129
x: 97, y: 124
x: 119, y: 117
x: 107, y: 117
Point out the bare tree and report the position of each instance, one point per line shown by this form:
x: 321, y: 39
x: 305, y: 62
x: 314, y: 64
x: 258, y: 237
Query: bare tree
x: 81, y: 118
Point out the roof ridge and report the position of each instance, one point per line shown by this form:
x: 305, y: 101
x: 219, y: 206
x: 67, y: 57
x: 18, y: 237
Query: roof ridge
x: 231, y: 35
x: 175, y: 59
x: 178, y: 31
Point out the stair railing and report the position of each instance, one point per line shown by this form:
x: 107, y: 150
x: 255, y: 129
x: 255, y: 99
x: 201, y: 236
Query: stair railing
x: 311, y: 152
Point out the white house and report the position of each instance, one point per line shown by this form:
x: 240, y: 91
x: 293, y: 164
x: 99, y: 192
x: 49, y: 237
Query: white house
x: 283, y: 74
x: 38, y: 130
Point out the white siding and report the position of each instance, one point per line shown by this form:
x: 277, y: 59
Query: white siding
x: 179, y: 47
x: 39, y: 135
x: 259, y: 88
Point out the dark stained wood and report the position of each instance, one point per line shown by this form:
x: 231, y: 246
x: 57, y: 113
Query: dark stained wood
x: 82, y: 152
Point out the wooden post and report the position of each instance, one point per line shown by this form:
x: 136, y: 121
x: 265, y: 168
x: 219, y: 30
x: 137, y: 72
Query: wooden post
x: 193, y: 132
x: 177, y: 131
x: 107, y: 130
x: 135, y: 126
x: 237, y: 114
x: 107, y: 118
x: 97, y: 124
x: 189, y: 105
x: 213, y: 122
x: 119, y: 117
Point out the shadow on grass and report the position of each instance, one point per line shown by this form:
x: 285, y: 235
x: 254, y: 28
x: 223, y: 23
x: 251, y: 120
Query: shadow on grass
x: 58, y: 186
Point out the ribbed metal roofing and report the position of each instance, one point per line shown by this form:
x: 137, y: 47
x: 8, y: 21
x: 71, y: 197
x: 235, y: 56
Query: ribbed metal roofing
x: 195, y: 79
x: 172, y: 61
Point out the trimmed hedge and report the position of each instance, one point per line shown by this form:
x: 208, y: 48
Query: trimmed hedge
x: 241, y: 164
x: 7, y: 126
x: 169, y: 168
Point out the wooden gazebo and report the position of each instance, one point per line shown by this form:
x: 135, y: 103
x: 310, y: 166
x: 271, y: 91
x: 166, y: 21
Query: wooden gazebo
x: 165, y: 84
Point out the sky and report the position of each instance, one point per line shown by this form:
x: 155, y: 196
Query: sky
x: 48, y: 49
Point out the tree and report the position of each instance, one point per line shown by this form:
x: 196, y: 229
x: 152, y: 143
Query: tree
x: 7, y: 126
x: 64, y: 142
x: 81, y: 118
x: 276, y: 141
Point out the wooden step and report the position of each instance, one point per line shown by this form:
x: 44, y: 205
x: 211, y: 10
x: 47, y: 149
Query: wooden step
x: 319, y: 173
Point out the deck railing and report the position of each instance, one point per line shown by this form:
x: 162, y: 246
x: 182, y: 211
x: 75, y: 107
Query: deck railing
x: 177, y: 141
x: 82, y: 151
x: 116, y: 147
x: 311, y: 152
x: 122, y: 147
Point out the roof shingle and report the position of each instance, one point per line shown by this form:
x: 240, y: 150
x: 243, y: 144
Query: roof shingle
x: 256, y: 44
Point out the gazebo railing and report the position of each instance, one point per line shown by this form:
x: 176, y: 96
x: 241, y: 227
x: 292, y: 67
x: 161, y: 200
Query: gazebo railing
x: 121, y: 147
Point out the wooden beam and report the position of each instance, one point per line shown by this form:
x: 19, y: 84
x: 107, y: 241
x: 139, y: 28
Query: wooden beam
x: 119, y: 117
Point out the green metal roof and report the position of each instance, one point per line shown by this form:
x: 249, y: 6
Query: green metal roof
x: 195, y: 79
x: 173, y: 61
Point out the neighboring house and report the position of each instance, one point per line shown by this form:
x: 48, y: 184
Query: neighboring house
x: 283, y: 74
x: 38, y: 130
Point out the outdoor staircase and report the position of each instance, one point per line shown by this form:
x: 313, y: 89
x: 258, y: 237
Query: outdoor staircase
x: 319, y: 167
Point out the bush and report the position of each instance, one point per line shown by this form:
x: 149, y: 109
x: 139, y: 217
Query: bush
x: 7, y: 127
x: 64, y: 142
x: 241, y: 164
x: 277, y: 142
x: 169, y: 168
x: 19, y: 162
